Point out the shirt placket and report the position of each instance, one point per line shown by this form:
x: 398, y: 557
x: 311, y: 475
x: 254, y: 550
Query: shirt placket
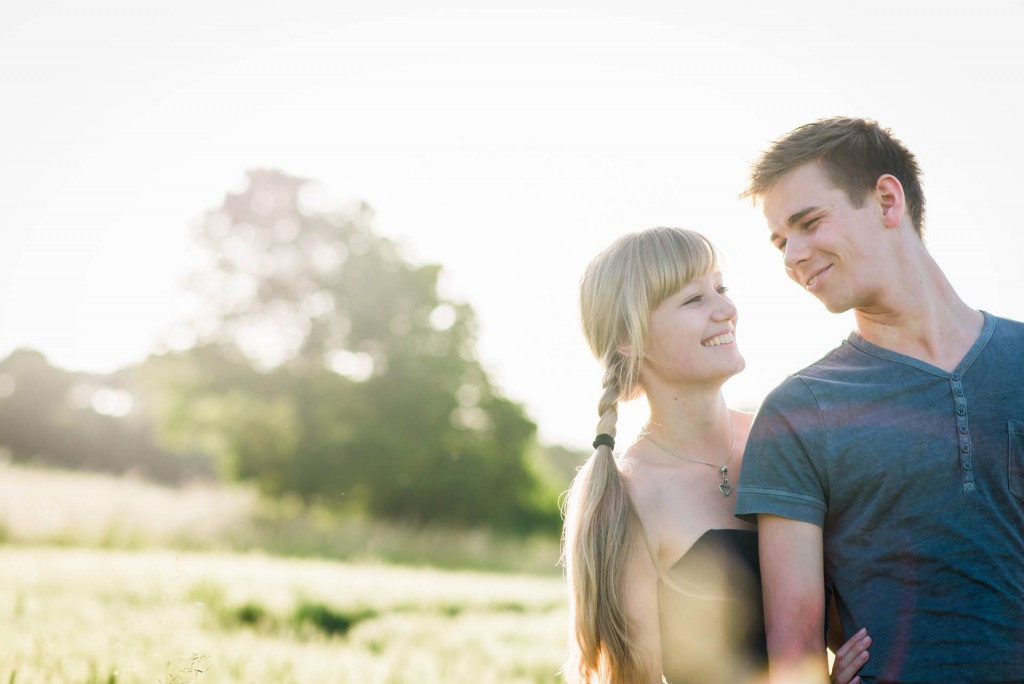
x: 963, y: 431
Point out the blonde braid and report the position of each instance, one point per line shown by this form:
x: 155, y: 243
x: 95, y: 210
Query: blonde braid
x: 600, y: 526
x: 608, y: 404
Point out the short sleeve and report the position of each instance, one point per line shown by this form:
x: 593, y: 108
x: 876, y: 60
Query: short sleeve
x: 784, y: 465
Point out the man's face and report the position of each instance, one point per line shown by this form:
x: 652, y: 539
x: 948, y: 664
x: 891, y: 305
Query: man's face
x: 829, y: 246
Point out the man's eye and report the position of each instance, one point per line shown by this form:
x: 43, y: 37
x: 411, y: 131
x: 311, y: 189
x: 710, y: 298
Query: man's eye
x: 812, y: 223
x: 781, y: 245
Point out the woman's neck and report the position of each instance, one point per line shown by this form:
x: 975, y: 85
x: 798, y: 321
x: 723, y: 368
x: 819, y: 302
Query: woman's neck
x: 689, y: 421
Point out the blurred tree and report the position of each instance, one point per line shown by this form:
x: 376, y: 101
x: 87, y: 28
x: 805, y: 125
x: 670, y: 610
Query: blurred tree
x: 327, y: 366
x: 57, y: 418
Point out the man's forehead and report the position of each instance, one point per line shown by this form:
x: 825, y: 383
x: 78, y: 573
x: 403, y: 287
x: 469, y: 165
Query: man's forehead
x: 797, y: 194
x: 806, y: 178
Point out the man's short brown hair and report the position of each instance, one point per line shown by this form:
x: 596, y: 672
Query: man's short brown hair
x: 852, y: 152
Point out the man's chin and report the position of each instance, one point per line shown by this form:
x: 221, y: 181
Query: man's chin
x: 834, y: 306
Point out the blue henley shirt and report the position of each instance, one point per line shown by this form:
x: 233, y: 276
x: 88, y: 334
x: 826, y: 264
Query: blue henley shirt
x: 916, y: 477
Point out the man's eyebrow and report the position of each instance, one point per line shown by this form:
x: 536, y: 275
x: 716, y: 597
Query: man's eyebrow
x: 795, y: 218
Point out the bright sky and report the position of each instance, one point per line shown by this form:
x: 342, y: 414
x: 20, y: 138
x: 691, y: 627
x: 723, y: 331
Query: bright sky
x: 508, y: 141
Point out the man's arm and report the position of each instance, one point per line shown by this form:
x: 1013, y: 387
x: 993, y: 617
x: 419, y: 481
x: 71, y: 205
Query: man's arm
x: 792, y: 580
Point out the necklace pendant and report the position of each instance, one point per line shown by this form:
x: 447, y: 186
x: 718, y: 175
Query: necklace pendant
x: 725, y: 488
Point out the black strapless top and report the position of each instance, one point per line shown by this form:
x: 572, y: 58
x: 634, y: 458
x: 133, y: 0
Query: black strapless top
x: 712, y: 616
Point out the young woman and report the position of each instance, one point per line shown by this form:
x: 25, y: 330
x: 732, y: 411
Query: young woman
x: 663, y: 577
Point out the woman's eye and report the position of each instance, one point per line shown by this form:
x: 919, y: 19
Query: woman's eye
x: 722, y: 289
x: 693, y: 300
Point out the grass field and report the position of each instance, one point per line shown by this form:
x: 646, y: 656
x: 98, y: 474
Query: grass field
x: 92, y: 593
x: 92, y: 616
x: 53, y: 507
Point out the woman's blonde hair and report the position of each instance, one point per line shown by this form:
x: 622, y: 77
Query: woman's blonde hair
x: 618, y: 292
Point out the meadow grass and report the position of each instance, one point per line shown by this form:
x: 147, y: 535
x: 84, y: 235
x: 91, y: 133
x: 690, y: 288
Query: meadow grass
x: 98, y: 615
x: 53, y: 507
x: 113, y: 580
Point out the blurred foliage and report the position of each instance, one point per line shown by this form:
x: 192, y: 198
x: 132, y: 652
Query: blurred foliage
x: 327, y: 366
x: 321, y: 365
x: 53, y: 417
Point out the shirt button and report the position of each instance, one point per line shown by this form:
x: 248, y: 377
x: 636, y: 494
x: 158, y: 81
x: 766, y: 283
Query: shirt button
x: 959, y: 392
x: 967, y: 465
x: 964, y: 448
x: 960, y: 410
x: 963, y: 429
x: 956, y: 377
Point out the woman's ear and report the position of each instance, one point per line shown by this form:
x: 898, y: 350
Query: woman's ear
x: 889, y: 194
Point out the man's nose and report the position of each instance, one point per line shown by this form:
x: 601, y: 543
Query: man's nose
x: 795, y: 253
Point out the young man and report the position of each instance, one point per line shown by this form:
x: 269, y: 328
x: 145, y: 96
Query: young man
x: 890, y: 472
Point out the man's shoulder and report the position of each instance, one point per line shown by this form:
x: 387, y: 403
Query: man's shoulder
x: 1009, y: 326
x: 833, y: 363
x: 842, y: 365
x: 1001, y: 339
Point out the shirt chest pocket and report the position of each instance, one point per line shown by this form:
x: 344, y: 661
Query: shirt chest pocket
x: 1015, y: 428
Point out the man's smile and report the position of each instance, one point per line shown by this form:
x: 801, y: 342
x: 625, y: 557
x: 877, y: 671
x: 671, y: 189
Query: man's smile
x: 813, y: 280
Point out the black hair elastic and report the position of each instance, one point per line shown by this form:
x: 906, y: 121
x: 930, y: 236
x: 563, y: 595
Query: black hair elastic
x: 605, y: 439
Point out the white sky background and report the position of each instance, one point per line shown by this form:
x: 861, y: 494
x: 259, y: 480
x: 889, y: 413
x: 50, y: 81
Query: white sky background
x: 509, y: 142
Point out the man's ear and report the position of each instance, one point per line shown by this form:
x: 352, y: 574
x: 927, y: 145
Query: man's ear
x: 889, y: 193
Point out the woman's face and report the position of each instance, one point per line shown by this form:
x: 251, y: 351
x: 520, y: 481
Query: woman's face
x: 692, y: 335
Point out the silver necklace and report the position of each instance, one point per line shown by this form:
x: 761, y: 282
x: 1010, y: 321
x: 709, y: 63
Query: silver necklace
x: 723, y: 469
